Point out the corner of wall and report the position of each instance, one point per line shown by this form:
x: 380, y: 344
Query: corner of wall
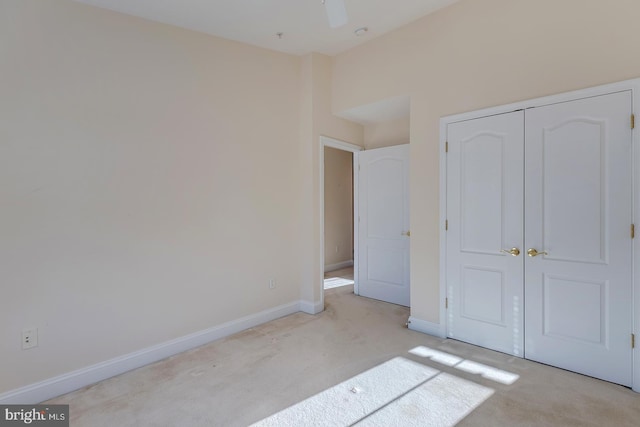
x: 426, y: 327
x: 311, y: 307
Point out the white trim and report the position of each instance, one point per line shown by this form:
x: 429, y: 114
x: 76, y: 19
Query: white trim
x: 443, y: 218
x: 635, y: 100
x: 356, y: 222
x: 75, y: 380
x: 429, y: 328
x: 340, y: 145
x: 338, y: 266
x: 326, y: 141
x: 634, y: 86
x: 547, y: 100
x: 312, y: 307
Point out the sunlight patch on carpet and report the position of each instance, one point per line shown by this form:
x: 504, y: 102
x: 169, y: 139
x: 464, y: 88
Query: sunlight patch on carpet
x: 469, y: 366
x: 443, y: 402
x: 397, y: 392
x: 335, y: 282
x: 436, y: 355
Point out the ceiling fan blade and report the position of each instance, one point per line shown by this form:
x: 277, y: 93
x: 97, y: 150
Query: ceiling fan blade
x: 336, y: 12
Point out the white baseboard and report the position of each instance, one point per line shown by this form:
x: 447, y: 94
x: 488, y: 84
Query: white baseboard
x: 75, y: 380
x: 311, y: 307
x: 338, y: 266
x: 425, y: 327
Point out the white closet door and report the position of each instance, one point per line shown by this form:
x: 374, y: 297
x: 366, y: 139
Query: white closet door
x: 485, y: 216
x: 578, y: 292
x: 383, y: 261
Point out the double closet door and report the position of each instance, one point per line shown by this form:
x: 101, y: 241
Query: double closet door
x: 539, y: 249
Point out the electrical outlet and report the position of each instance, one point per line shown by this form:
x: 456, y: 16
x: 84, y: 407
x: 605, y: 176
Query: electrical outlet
x: 272, y: 283
x: 29, y: 338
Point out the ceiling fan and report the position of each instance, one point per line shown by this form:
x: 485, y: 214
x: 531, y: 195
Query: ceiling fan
x: 336, y: 12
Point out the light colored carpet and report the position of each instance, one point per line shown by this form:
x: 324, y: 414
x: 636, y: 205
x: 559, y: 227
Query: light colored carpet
x: 355, y: 363
x: 337, y: 278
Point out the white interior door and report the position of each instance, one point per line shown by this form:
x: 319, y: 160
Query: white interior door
x: 485, y: 219
x: 383, y: 262
x: 578, y: 292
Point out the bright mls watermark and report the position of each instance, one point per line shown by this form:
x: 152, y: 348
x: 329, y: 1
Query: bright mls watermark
x: 34, y: 415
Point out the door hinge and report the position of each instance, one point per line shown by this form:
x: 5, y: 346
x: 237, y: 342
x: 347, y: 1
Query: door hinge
x: 446, y: 147
x: 633, y: 340
x: 633, y: 121
x: 446, y: 225
x: 633, y: 231
x: 446, y: 303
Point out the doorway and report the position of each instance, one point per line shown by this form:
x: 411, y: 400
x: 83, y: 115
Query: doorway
x: 338, y: 218
x: 338, y: 240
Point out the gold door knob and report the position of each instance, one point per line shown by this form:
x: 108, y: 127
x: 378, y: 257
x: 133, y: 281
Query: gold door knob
x: 512, y: 251
x: 407, y: 233
x: 532, y: 252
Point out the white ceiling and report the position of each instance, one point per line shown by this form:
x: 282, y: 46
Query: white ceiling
x: 303, y: 23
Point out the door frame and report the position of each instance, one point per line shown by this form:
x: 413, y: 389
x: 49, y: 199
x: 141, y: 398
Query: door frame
x: 634, y: 86
x: 326, y: 141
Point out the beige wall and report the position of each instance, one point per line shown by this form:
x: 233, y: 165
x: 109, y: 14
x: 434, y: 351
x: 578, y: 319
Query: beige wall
x: 152, y: 181
x: 338, y: 206
x: 387, y: 133
x: 149, y: 184
x: 475, y: 54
